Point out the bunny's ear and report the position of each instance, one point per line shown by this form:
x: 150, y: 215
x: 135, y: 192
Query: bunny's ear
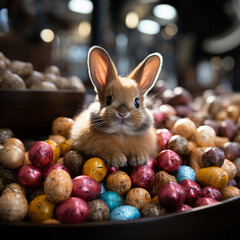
x: 146, y: 73
x: 101, y: 68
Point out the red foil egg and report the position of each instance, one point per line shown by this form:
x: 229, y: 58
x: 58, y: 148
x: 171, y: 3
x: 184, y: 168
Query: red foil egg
x: 152, y: 164
x: 183, y: 207
x: 171, y: 195
x: 143, y: 176
x: 163, y: 136
x: 86, y: 188
x: 168, y: 161
x: 211, y: 192
x: 40, y: 154
x: 111, y: 169
x: 55, y: 166
x: 29, y: 176
x: 204, y: 201
x: 72, y: 210
x: 193, y: 191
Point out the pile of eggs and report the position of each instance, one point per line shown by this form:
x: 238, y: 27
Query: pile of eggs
x: 53, y: 183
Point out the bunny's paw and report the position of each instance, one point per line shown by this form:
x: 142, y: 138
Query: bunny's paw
x: 136, y: 160
x: 116, y: 159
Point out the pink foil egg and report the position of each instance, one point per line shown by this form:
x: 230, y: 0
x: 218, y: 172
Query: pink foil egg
x: 169, y: 161
x: 163, y: 136
x: 193, y: 191
x: 40, y: 154
x: 29, y: 176
x: 152, y: 164
x: 86, y: 188
x: 72, y: 210
x: 171, y: 195
x: 55, y: 166
x: 204, y: 201
x: 211, y: 192
x: 143, y: 176
x: 182, y: 208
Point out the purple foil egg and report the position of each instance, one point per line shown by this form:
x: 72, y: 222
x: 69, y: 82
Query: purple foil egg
x: 171, y: 195
x: 72, y: 210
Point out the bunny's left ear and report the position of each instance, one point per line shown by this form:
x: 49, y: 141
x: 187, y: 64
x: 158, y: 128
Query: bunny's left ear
x: 146, y: 73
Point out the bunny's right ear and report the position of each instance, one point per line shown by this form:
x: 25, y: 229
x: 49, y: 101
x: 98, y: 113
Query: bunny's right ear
x: 101, y: 68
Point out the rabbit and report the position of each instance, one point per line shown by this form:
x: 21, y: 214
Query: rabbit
x: 117, y: 127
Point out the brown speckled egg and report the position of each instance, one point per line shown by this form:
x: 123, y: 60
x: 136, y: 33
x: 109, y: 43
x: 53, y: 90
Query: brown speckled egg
x: 213, y: 157
x: 13, y: 207
x: 62, y: 126
x: 57, y: 139
x: 98, y: 211
x: 12, y: 157
x: 152, y: 210
x: 58, y: 186
x: 119, y: 182
x: 178, y: 144
x: 230, y: 168
x: 73, y: 161
x: 138, y: 197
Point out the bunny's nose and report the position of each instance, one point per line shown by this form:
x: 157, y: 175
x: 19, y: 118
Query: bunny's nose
x: 122, y: 115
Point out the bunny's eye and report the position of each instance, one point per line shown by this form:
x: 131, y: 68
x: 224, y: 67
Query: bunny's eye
x: 136, y: 102
x: 109, y: 100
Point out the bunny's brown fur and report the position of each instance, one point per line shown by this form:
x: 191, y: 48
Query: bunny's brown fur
x: 101, y: 130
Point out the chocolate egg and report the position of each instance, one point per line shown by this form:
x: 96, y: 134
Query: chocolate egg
x: 152, y: 210
x: 171, y: 195
x: 98, y: 211
x: 213, y: 157
x: 137, y: 197
x: 58, y: 186
x: 29, y: 176
x: 212, y: 176
x: 168, y: 160
x: 112, y: 199
x: 119, y: 182
x: 12, y: 157
x: 142, y: 176
x: 204, y: 201
x: 40, y: 154
x: 211, y: 192
x: 193, y: 191
x: 40, y: 209
x: 86, y: 188
x: 72, y: 210
x: 95, y: 168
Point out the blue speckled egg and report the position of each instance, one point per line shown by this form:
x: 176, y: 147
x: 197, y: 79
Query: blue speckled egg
x: 112, y: 199
x: 185, y: 172
x: 103, y: 187
x: 125, y: 212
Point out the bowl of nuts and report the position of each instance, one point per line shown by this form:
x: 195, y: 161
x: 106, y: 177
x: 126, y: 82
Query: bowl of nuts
x: 31, y: 98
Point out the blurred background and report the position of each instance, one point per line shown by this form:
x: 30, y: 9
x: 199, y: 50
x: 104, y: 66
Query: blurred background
x: 199, y: 40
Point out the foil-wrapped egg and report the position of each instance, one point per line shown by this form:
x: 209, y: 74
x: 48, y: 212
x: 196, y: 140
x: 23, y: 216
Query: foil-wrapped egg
x: 86, y: 188
x: 211, y: 192
x: 72, y: 210
x: 143, y: 176
x: 171, y: 195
